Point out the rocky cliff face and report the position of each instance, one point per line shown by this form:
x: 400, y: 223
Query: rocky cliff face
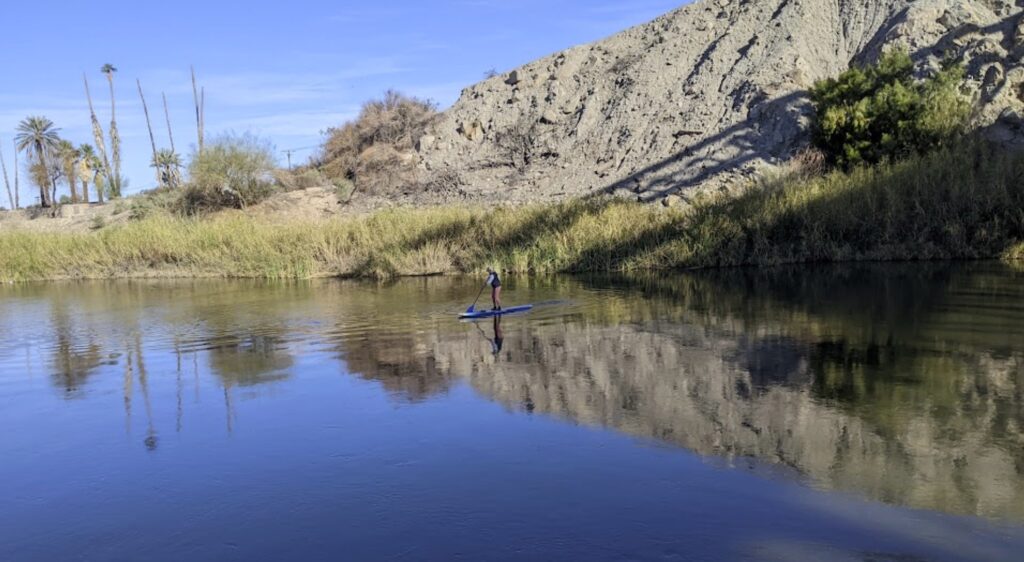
x: 706, y: 96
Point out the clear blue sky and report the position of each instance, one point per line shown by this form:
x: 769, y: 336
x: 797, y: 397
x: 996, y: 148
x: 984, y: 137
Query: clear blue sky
x: 285, y: 70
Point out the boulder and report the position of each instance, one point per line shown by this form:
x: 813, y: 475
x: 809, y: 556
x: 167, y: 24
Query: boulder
x: 425, y: 143
x: 671, y: 201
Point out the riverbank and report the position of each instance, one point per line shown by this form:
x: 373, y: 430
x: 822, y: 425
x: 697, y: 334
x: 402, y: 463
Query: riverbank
x: 965, y: 202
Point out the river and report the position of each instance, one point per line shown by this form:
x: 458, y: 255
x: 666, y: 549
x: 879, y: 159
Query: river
x: 859, y: 412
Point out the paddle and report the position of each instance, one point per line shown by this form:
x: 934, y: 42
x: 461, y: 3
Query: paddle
x: 472, y: 307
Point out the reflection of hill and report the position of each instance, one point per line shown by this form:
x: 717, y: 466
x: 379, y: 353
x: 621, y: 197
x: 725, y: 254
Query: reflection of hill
x: 399, y: 364
x: 250, y: 360
x: 700, y: 393
x: 902, y: 383
x: 907, y: 388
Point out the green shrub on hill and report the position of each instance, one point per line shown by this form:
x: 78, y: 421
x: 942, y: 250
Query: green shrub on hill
x: 881, y: 112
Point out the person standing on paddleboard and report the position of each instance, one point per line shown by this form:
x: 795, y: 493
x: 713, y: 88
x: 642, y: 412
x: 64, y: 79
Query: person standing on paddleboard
x: 495, y: 283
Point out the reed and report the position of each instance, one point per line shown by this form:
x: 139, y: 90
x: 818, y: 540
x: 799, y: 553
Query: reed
x: 964, y: 202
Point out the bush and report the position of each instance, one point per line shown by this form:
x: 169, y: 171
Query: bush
x: 375, y: 152
x: 344, y: 190
x: 149, y: 203
x: 521, y: 144
x: 232, y: 172
x: 300, y: 179
x: 881, y: 112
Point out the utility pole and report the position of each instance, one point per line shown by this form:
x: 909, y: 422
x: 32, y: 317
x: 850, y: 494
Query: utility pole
x: 288, y: 153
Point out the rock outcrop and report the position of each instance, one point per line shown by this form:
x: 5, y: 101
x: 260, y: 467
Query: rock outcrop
x: 706, y: 96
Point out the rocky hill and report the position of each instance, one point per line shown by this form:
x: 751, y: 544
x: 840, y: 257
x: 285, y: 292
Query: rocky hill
x: 705, y: 96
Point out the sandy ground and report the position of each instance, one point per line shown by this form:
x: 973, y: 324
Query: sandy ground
x: 70, y: 218
x: 315, y: 203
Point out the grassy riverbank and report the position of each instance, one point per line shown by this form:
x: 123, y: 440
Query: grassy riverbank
x: 960, y: 203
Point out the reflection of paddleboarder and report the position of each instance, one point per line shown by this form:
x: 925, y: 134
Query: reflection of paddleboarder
x: 499, y: 336
x: 498, y: 342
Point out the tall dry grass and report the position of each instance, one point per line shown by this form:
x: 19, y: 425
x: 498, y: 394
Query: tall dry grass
x: 965, y: 202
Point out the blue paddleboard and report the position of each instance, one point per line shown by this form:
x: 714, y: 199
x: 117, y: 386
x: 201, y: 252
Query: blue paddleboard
x: 492, y: 313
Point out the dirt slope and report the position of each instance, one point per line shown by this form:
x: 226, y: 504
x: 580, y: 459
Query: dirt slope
x: 704, y: 96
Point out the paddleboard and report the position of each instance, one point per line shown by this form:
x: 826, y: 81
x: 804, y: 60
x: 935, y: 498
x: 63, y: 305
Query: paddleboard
x: 492, y: 313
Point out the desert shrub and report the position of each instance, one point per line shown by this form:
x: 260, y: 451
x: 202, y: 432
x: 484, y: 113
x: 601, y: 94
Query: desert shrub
x: 881, y: 112
x: 445, y: 180
x: 344, y: 190
x: 300, y: 179
x: 233, y: 171
x: 374, y: 151
x: 523, y: 143
x: 152, y: 202
x: 382, y: 168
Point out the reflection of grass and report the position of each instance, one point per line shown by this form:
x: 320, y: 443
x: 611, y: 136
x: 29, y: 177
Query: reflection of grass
x: 1015, y: 256
x: 963, y: 202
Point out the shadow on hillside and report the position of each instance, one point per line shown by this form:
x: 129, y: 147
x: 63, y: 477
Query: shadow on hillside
x: 960, y: 203
x: 693, y: 165
x: 770, y: 119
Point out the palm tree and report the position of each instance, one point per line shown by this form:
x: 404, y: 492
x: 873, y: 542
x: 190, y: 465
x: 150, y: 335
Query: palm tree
x: 101, y: 147
x: 168, y: 167
x: 200, y: 100
x: 115, y: 138
x: 89, y: 167
x: 69, y: 158
x: 37, y: 137
x: 149, y: 125
x: 167, y: 115
x: 7, y: 181
x: 17, y: 175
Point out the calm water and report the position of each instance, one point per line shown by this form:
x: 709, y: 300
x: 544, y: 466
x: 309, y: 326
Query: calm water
x: 851, y: 413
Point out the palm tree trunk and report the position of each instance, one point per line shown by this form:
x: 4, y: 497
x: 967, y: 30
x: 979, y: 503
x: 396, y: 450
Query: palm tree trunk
x: 199, y: 110
x: 85, y: 190
x: 7, y: 180
x: 44, y: 189
x: 97, y: 133
x: 73, y: 181
x: 167, y: 115
x: 115, y: 142
x: 149, y: 125
x: 17, y: 175
x: 53, y: 194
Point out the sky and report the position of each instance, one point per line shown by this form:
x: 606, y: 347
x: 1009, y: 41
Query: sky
x: 285, y: 71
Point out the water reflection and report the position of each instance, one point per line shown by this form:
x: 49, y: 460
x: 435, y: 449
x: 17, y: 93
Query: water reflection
x: 904, y: 384
x: 75, y: 357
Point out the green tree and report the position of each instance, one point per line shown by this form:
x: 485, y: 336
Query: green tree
x: 115, y: 137
x: 881, y: 112
x: 37, y: 137
x: 69, y: 158
x: 89, y: 167
x: 168, y: 167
